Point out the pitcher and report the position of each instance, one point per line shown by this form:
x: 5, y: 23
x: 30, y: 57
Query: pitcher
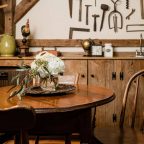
x: 7, y: 45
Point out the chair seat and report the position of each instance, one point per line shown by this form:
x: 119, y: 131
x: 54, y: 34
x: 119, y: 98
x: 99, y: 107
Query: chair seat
x: 5, y: 136
x: 119, y: 136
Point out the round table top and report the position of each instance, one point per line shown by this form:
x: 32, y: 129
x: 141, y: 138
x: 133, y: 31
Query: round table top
x: 85, y: 96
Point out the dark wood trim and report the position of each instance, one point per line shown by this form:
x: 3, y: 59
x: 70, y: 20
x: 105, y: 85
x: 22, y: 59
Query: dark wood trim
x: 77, y: 42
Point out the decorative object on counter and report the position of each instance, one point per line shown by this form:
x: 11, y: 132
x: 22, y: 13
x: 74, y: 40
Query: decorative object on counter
x: 142, y: 8
x: 25, y: 30
x: 70, y: 7
x: 134, y: 27
x: 105, y: 8
x: 72, y: 29
x: 87, y: 44
x: 116, y: 14
x: 95, y: 16
x: 97, y: 50
x: 80, y: 10
x: 46, y: 67
x: 132, y: 12
x: 108, y: 50
x: 140, y: 53
x: 7, y: 45
x: 87, y: 14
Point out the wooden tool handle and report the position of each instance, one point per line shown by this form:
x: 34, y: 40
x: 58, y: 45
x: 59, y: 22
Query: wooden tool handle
x: 3, y: 6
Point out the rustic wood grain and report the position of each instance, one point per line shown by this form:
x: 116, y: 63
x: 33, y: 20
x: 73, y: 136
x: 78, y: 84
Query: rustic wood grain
x: 1, y: 21
x: 9, y: 14
x: 77, y: 42
x: 22, y: 8
x: 85, y: 97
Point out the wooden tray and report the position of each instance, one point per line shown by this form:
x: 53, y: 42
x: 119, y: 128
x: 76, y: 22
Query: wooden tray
x: 61, y: 90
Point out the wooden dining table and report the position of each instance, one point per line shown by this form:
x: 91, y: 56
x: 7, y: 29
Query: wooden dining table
x: 63, y: 113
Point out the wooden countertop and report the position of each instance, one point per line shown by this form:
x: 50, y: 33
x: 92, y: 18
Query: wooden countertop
x: 76, y: 58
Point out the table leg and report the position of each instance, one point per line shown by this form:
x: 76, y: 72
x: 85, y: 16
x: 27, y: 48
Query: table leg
x: 87, y: 129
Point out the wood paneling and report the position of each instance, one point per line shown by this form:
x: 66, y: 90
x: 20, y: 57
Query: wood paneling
x: 77, y: 42
x: 9, y: 14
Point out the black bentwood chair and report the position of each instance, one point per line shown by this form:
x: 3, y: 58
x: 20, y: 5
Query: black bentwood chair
x: 15, y: 123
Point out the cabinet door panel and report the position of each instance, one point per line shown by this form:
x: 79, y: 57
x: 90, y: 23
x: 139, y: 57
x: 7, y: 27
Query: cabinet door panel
x: 100, y: 73
x: 77, y: 66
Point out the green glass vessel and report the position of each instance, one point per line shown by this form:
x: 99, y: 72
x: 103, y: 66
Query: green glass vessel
x: 7, y: 45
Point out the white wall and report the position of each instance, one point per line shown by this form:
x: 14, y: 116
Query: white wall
x: 49, y: 19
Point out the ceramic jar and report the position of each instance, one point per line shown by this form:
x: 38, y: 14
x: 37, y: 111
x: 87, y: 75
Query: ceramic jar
x: 108, y: 50
x: 7, y: 45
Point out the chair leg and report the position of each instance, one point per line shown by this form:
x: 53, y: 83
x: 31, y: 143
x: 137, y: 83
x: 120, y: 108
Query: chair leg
x: 37, y: 140
x: 21, y: 138
x: 68, y: 139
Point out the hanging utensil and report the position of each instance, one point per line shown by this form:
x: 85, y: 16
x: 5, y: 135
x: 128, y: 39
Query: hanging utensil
x: 80, y: 10
x: 115, y: 23
x: 87, y: 14
x: 70, y: 7
x: 118, y: 15
x: 142, y: 8
x: 105, y: 8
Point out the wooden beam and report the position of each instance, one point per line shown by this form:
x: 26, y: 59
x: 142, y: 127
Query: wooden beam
x: 9, y: 14
x: 77, y: 42
x: 22, y: 8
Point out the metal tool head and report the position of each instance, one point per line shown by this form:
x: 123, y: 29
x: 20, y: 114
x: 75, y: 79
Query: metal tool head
x: 104, y: 7
x: 88, y: 5
x: 95, y: 15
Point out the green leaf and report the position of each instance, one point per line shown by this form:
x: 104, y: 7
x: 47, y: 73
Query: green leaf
x: 14, y: 93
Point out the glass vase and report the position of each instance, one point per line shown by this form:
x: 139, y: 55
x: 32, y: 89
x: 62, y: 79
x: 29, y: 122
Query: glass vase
x: 49, y: 84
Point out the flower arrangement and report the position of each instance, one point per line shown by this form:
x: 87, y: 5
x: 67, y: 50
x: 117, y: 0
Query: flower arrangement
x: 45, y: 66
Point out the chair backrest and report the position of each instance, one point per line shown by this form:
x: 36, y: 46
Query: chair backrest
x: 68, y: 79
x: 133, y: 90
x: 17, y: 118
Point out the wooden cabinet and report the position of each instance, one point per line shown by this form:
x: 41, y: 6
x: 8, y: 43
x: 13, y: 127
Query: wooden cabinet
x: 77, y: 66
x: 111, y: 73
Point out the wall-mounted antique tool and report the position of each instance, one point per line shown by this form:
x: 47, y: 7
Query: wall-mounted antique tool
x: 142, y: 8
x: 105, y: 8
x: 72, y: 29
x: 134, y: 27
x: 95, y: 3
x: 80, y: 10
x: 95, y: 23
x: 115, y: 23
x: 116, y: 14
x: 127, y: 4
x: 87, y: 13
x: 70, y: 7
x: 132, y: 12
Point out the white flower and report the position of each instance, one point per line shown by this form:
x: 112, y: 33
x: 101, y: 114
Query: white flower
x: 46, y: 64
